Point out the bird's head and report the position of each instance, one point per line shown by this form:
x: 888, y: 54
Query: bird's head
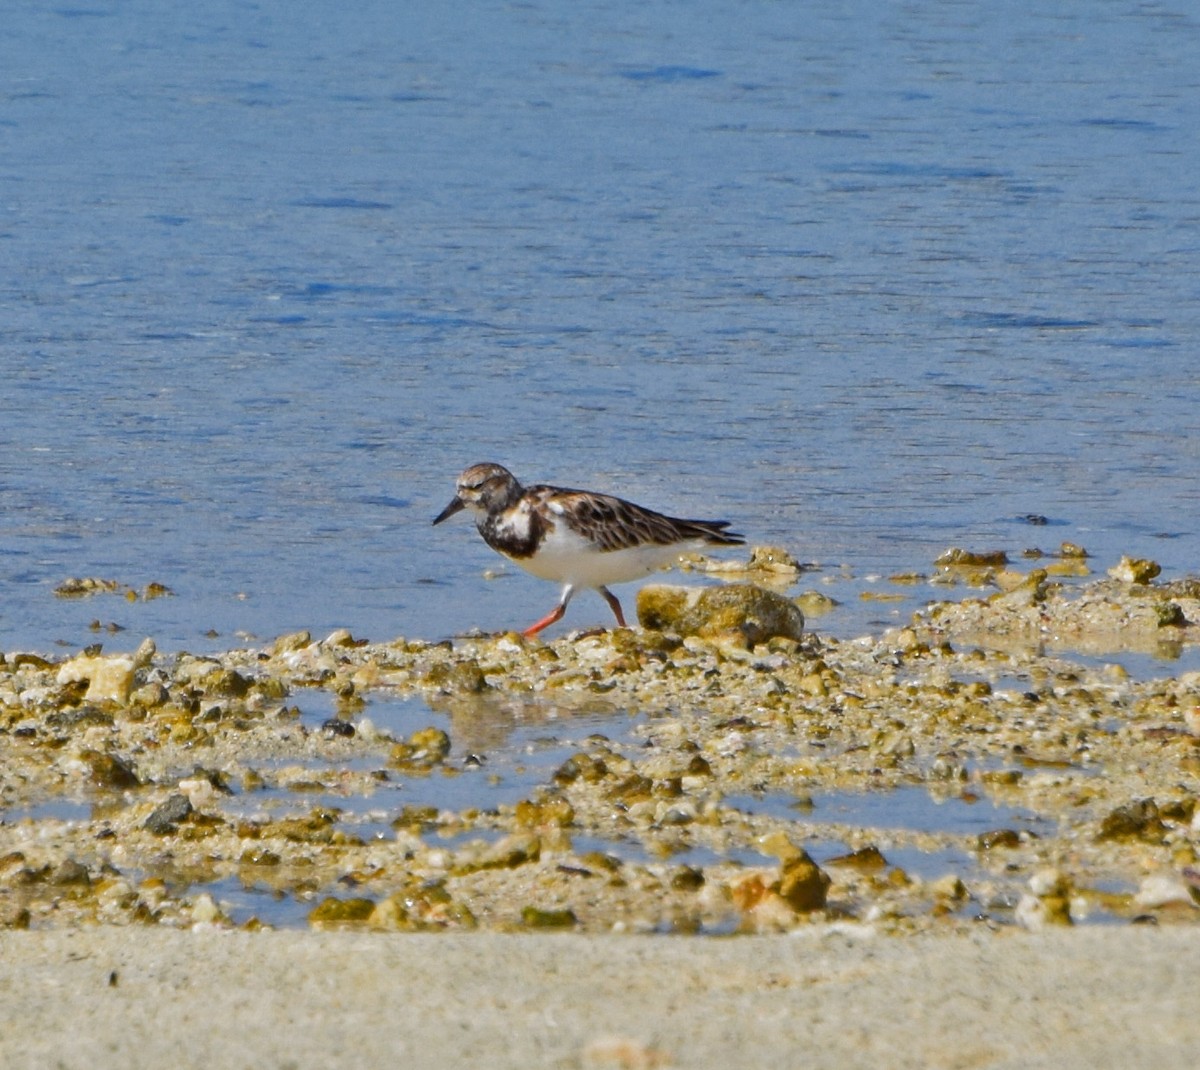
x: 484, y: 489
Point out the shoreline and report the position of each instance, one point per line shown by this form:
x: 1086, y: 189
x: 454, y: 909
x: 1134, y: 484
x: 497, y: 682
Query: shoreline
x: 163, y: 779
x: 1067, y: 939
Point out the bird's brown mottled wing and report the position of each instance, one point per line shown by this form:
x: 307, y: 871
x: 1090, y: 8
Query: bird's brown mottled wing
x: 615, y: 524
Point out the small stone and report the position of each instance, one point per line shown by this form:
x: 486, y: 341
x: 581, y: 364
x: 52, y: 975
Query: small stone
x: 107, y: 770
x: 289, y: 644
x: 69, y: 871
x: 1034, y: 914
x: 225, y: 682
x: 1030, y: 592
x: 948, y: 887
x: 77, y: 587
x: 815, y: 603
x: 1049, y: 882
x: 998, y: 839
x: 333, y: 913
x: 167, y: 817
x: 956, y: 557
x: 429, y: 744
x: 205, y: 910
x: 866, y: 859
x: 773, y: 559
x: 1138, y: 820
x: 1169, y: 615
x: 804, y: 885
x: 511, y: 852
x: 624, y: 1053
x: 536, y: 918
x: 1163, y: 890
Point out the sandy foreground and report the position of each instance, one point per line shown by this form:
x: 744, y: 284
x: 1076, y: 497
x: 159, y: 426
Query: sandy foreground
x: 823, y: 997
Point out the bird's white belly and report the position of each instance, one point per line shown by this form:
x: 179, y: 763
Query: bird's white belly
x: 566, y: 558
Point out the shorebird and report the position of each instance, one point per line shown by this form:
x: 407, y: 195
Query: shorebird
x: 577, y: 538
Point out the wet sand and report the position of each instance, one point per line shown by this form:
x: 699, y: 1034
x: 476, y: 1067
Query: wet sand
x: 825, y: 997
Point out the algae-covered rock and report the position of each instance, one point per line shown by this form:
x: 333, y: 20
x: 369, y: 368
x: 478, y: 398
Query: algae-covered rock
x: 1135, y: 570
x: 742, y: 610
x: 424, y: 748
x: 957, y: 557
x: 1138, y: 820
x: 333, y: 913
x: 537, y: 918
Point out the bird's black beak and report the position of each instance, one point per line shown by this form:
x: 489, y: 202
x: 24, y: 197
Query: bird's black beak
x: 455, y: 506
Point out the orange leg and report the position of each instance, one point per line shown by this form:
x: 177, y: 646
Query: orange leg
x: 555, y: 614
x: 546, y: 621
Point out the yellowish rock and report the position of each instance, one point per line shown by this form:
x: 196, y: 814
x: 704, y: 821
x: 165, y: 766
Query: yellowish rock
x: 803, y: 884
x: 815, y: 603
x: 748, y: 614
x: 109, y: 679
x: 1135, y: 570
x: 773, y: 559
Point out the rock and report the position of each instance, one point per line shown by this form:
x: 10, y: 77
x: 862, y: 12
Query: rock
x: 1139, y: 820
x: 228, y: 683
x: 804, y: 884
x: 1135, y: 570
x: 205, y: 910
x: 424, y: 748
x: 1034, y: 914
x: 70, y: 871
x: 1029, y: 592
x: 773, y: 559
x: 748, y: 613
x: 333, y: 913
x: 80, y: 587
x: 107, y: 770
x: 291, y: 643
x: 510, y: 852
x: 867, y: 859
x: 167, y: 817
x: 144, y: 653
x: 996, y: 839
x: 1049, y: 882
x: 109, y: 679
x: 1169, y: 615
x: 949, y: 887
x: 536, y: 918
x: 815, y: 603
x: 1048, y: 901
x: 956, y: 557
x: 1161, y: 891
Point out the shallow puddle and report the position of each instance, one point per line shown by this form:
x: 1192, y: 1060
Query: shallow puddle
x: 914, y: 809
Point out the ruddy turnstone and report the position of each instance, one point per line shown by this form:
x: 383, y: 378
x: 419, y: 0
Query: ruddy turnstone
x: 576, y: 537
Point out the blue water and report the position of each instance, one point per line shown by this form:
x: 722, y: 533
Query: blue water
x: 867, y: 279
